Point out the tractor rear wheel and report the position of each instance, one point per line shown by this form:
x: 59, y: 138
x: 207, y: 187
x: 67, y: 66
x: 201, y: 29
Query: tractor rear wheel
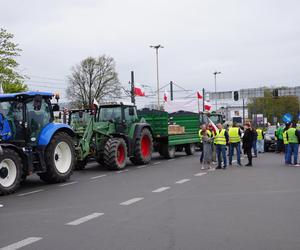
x: 189, y: 149
x: 115, y: 154
x: 11, y: 171
x: 143, y: 148
x: 59, y: 159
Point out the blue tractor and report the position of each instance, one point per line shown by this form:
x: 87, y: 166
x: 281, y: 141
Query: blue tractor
x: 30, y: 142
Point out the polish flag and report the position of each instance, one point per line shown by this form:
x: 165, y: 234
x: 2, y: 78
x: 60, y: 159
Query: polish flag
x: 138, y: 91
x: 213, y: 125
x: 207, y: 106
x: 199, y: 96
x: 165, y: 96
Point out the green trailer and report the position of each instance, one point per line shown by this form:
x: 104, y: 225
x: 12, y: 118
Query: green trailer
x: 166, y: 142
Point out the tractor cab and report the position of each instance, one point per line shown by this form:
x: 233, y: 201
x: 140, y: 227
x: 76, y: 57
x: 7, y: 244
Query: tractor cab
x: 121, y: 114
x: 24, y: 115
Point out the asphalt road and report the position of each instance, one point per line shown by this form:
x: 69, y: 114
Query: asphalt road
x: 165, y: 205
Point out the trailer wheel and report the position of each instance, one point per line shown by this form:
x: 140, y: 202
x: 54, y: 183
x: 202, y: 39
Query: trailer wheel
x: 59, y: 158
x: 11, y: 170
x: 169, y: 152
x: 190, y: 149
x: 143, y: 148
x: 115, y: 154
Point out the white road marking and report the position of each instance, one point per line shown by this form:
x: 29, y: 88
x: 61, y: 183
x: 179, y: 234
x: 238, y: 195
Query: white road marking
x: 160, y: 189
x: 84, y: 219
x: 171, y: 159
x: 182, y: 181
x: 156, y: 163
x: 98, y: 176
x: 199, y: 174
x: 68, y: 183
x: 21, y: 243
x: 131, y: 201
x: 122, y: 171
x: 143, y: 166
x: 32, y: 192
x: 1, y: 205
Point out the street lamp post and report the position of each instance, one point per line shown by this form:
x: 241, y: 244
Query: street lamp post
x: 157, y: 47
x: 216, y: 73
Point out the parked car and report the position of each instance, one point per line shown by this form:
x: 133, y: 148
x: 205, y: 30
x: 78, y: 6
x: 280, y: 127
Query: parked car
x: 270, y: 142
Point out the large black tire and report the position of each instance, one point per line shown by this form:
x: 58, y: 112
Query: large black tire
x: 169, y: 152
x: 143, y: 148
x: 80, y: 165
x: 190, y: 149
x: 115, y: 154
x: 59, y: 167
x: 11, y: 171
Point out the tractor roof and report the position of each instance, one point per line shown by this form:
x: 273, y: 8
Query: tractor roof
x: 24, y: 95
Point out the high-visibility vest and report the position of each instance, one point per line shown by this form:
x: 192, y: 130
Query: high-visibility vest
x: 259, y: 134
x: 292, y: 138
x: 285, y: 139
x: 234, y: 136
x: 220, y: 138
x: 209, y: 133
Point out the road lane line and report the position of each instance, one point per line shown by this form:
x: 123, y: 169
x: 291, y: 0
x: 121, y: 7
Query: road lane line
x: 21, y: 243
x: 32, y: 192
x: 156, y: 163
x: 182, y: 181
x: 98, y: 176
x: 171, y: 160
x: 1, y: 205
x: 199, y: 174
x: 160, y: 189
x: 122, y: 171
x: 131, y: 201
x: 143, y: 166
x: 68, y: 183
x: 84, y: 219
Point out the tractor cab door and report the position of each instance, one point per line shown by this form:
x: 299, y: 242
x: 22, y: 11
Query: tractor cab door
x: 130, y: 117
x: 38, y: 115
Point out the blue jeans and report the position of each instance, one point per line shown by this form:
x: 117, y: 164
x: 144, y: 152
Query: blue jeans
x: 260, y: 145
x: 232, y: 146
x: 221, y: 149
x: 254, y: 147
x: 286, y: 153
x: 292, y: 149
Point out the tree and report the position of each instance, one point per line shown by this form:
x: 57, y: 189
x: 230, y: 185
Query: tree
x: 10, y: 79
x: 93, y: 78
x: 272, y: 107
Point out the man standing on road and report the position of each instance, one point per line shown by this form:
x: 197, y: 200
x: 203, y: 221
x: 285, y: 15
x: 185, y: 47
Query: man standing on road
x: 221, y: 140
x: 260, y: 140
x: 286, y: 142
x: 248, y: 139
x: 254, y: 141
x: 293, y: 146
x: 234, y: 143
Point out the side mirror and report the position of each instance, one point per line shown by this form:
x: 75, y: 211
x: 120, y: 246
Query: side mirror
x: 131, y: 111
x: 55, y: 107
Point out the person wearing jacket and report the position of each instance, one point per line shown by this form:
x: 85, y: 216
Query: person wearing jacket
x: 248, y: 139
x: 260, y: 140
x: 286, y: 142
x: 234, y: 143
x: 293, y: 146
x: 221, y: 140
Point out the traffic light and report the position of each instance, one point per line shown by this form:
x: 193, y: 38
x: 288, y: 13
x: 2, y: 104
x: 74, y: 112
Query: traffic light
x: 236, y: 95
x: 275, y: 93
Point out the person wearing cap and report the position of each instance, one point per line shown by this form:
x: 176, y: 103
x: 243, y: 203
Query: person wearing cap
x: 234, y: 143
x: 221, y: 140
x: 293, y: 146
x: 260, y: 140
x: 286, y: 142
x: 248, y: 139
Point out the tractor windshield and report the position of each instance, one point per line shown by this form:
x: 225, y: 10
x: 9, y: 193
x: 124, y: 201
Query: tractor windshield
x: 110, y: 114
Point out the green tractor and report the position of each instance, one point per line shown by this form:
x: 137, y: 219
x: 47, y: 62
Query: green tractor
x: 110, y: 134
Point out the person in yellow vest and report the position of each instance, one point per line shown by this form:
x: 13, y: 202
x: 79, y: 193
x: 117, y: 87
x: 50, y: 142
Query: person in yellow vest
x: 221, y: 140
x: 209, y: 133
x: 235, y: 143
x: 286, y: 142
x: 293, y: 146
x: 260, y: 140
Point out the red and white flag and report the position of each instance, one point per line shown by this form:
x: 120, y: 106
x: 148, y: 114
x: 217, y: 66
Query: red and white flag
x: 138, y: 91
x: 165, y: 96
x: 213, y: 125
x: 199, y: 96
x: 207, y: 105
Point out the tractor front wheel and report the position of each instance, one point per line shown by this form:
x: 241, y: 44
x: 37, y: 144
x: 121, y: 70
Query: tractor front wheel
x: 59, y: 159
x: 11, y: 169
x: 143, y: 148
x: 115, y: 154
